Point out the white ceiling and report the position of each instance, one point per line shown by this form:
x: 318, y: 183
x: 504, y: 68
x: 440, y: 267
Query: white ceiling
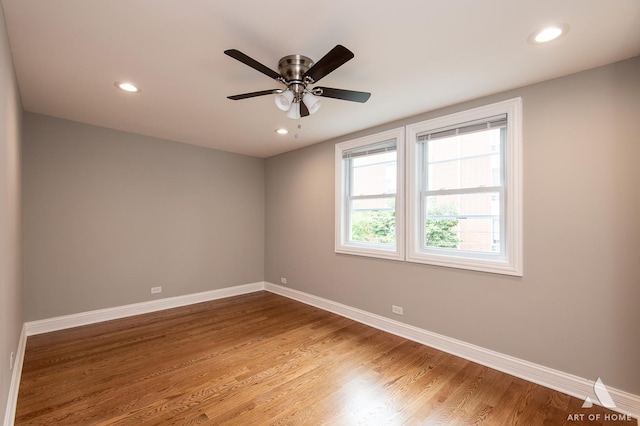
x: 412, y: 55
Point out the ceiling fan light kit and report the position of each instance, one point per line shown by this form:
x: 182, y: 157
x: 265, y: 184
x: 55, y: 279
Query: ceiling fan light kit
x: 284, y: 100
x: 313, y: 103
x: 294, y: 111
x: 298, y: 73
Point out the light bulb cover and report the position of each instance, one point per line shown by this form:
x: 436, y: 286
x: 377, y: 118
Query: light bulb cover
x: 284, y: 100
x: 547, y: 34
x: 127, y: 87
x: 312, y: 102
x: 294, y: 111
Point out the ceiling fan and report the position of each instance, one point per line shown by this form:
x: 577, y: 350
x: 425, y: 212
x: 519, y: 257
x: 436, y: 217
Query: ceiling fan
x: 298, y: 73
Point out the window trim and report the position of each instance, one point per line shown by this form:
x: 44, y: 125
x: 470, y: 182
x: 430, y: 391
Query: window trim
x: 513, y: 263
x: 342, y: 245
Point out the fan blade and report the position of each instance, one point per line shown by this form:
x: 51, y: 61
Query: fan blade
x: 329, y: 62
x: 236, y: 54
x: 304, y: 111
x: 345, y: 95
x: 254, y: 94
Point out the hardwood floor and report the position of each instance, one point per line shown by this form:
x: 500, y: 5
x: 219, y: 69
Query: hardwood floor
x: 262, y: 359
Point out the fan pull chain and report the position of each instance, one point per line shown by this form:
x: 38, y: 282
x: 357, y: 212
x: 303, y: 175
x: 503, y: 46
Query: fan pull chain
x: 299, y: 127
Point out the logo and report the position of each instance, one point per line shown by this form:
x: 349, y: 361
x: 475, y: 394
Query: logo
x: 605, y: 400
x: 602, y: 394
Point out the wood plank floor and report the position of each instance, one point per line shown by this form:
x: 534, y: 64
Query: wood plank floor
x: 262, y: 359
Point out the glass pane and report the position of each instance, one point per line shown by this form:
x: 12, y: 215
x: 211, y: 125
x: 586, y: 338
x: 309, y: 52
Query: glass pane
x: 374, y: 174
x: 466, y: 161
x: 373, y: 220
x: 468, y: 222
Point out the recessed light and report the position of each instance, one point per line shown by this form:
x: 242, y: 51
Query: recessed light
x: 127, y: 87
x: 548, y: 34
x: 282, y: 131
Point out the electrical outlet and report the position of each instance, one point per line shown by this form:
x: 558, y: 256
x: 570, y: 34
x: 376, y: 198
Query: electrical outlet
x: 11, y: 360
x: 156, y: 289
x: 283, y: 280
x: 397, y: 309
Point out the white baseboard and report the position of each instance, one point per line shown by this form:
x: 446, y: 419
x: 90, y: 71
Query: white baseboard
x: 578, y: 387
x: 12, y: 398
x: 92, y: 317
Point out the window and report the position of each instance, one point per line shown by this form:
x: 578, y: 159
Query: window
x: 370, y: 196
x: 464, y: 190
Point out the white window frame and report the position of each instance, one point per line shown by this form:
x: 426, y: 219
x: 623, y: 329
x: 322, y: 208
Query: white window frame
x: 342, y: 242
x: 510, y: 263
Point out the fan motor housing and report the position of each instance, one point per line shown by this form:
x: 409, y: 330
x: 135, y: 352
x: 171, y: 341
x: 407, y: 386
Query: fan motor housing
x: 293, y: 67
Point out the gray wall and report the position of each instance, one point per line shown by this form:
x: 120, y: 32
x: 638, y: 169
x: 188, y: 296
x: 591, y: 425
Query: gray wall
x: 10, y: 286
x: 576, y: 308
x: 108, y: 215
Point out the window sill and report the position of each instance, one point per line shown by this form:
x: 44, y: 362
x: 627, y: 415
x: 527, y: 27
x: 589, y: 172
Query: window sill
x: 390, y: 254
x: 502, y: 267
